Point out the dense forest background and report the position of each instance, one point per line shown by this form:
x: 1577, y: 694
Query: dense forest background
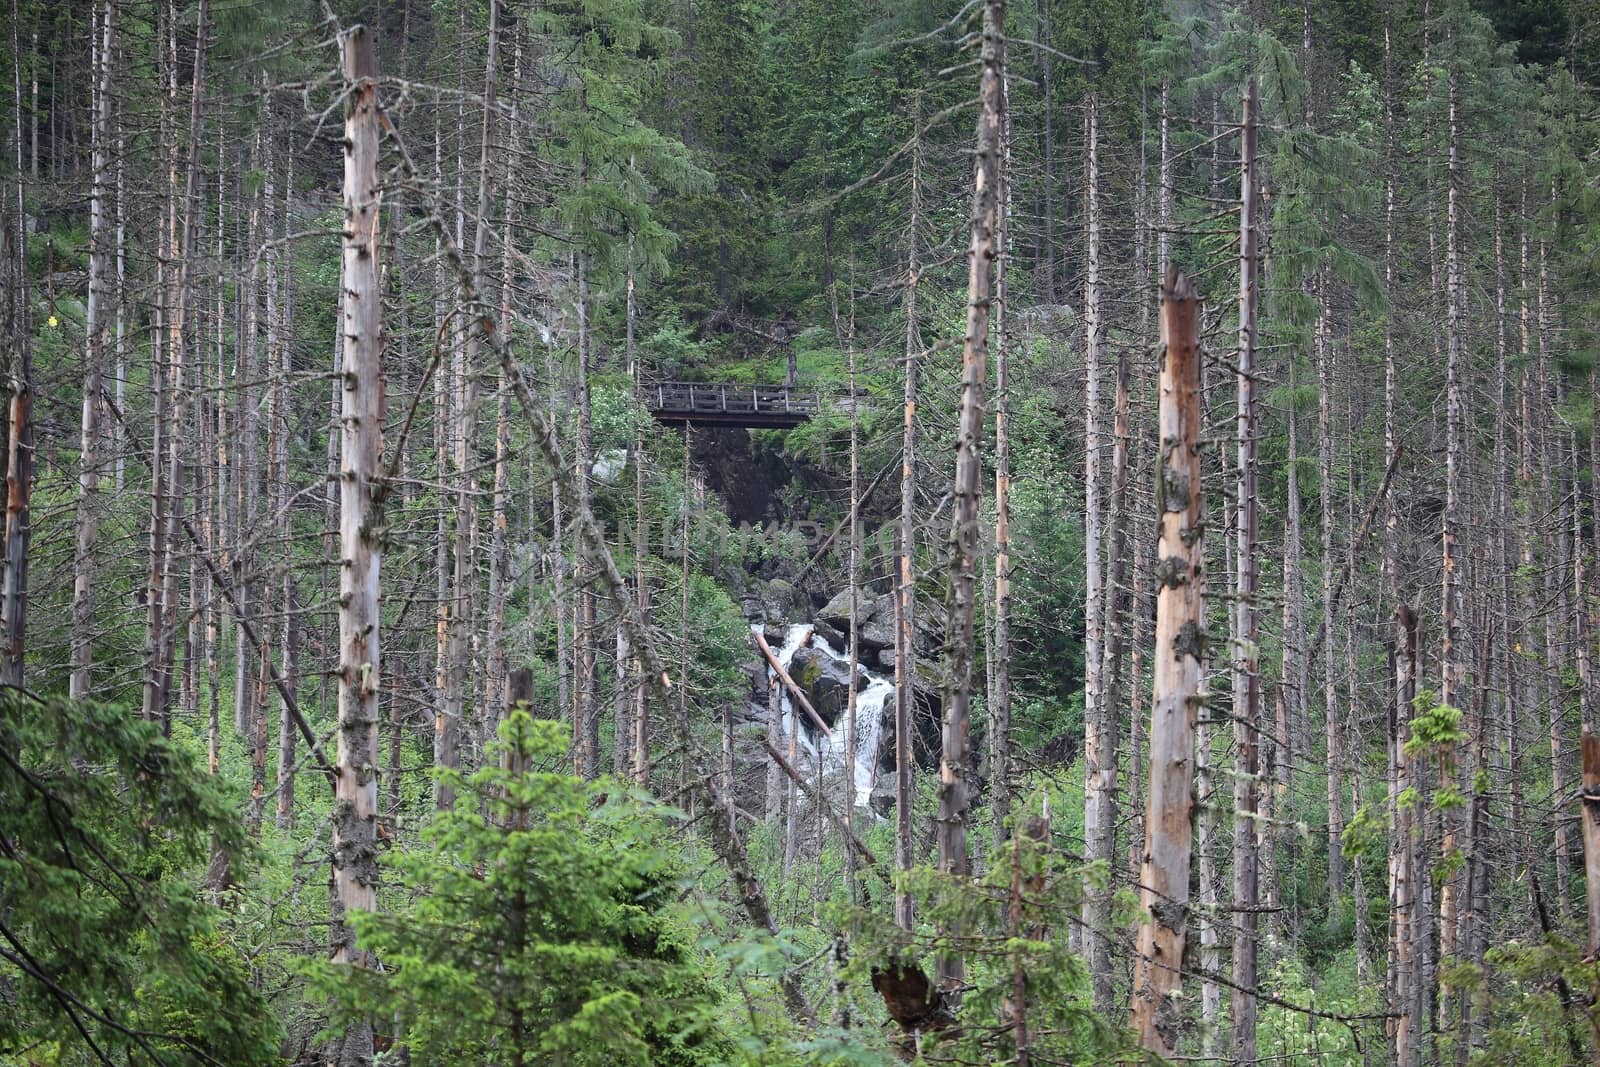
x: 285, y: 300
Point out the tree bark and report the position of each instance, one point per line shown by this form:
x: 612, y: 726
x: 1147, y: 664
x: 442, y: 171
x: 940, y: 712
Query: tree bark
x: 1452, y: 681
x: 905, y: 587
x: 1100, y: 721
x: 95, y: 330
x: 167, y: 495
x: 1332, y: 726
x: 981, y: 252
x: 355, y: 859
x: 1247, y: 630
x: 999, y: 658
x: 453, y: 713
x: 1176, y: 668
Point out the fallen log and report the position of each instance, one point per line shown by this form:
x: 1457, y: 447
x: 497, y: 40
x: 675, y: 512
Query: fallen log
x: 794, y: 690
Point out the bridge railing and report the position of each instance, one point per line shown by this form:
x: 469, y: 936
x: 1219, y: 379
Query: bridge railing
x: 713, y: 398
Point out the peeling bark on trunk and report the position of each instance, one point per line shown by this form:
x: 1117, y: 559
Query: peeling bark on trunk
x: 1176, y: 668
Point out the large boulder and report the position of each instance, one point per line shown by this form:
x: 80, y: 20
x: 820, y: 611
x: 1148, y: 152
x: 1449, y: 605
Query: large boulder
x: 774, y: 602
x: 825, y: 682
x: 877, y: 622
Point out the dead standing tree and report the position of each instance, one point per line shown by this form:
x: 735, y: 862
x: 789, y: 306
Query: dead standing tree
x: 981, y: 256
x: 1176, y: 667
x: 355, y: 857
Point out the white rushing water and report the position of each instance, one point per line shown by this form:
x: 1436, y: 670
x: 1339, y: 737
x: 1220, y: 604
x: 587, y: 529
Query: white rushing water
x: 870, y: 699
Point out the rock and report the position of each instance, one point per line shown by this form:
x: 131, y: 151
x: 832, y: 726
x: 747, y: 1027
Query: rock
x: 1050, y: 319
x: 755, y: 672
x: 825, y: 681
x: 749, y: 713
x: 781, y: 601
x: 882, y: 798
x: 834, y: 637
x: 878, y: 618
x: 878, y: 633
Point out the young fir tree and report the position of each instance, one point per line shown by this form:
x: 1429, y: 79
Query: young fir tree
x: 542, y: 925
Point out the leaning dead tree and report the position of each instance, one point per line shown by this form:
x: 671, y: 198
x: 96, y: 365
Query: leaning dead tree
x: 1176, y: 668
x: 355, y: 856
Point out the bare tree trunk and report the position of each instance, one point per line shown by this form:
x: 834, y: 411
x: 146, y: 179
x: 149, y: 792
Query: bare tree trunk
x: 852, y: 709
x: 100, y: 292
x: 1333, y: 730
x: 1099, y: 773
x: 355, y: 859
x: 1176, y: 666
x: 1591, y: 840
x: 122, y: 315
x: 1247, y: 629
x: 639, y: 765
x: 161, y: 625
x: 1048, y: 137
x: 585, y: 723
x: 999, y: 658
x: 453, y: 723
x: 1403, y: 849
x: 19, y: 487
x: 1100, y: 721
x: 1552, y: 504
x: 953, y: 794
x: 292, y: 625
x: 497, y: 677
x: 1117, y: 623
x: 905, y: 588
x: 1452, y: 681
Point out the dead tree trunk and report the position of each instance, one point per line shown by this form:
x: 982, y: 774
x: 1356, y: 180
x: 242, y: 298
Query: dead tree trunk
x: 1452, y: 667
x: 1591, y: 840
x: 355, y: 858
x: 1590, y: 800
x: 1176, y: 668
x: 1403, y: 851
x: 452, y: 723
x: 905, y: 589
x: 1100, y: 721
x: 953, y: 798
x: 1247, y: 630
x: 999, y: 659
x: 167, y: 497
x: 95, y: 332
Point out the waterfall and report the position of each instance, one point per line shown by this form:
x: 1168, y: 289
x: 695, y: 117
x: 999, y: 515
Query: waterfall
x: 870, y: 700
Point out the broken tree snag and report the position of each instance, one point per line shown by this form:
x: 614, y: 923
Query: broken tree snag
x: 1164, y: 873
x: 355, y: 853
x: 1591, y: 838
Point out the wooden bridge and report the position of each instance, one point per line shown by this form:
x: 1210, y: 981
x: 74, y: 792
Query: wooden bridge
x: 729, y: 404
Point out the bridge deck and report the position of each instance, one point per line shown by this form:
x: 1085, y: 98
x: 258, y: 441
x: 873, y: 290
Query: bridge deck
x: 730, y: 404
